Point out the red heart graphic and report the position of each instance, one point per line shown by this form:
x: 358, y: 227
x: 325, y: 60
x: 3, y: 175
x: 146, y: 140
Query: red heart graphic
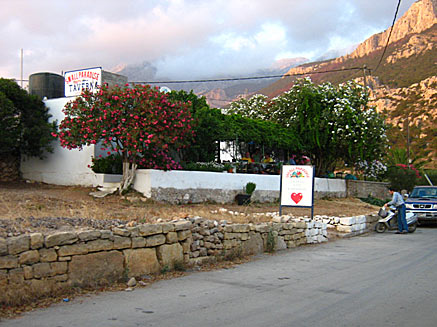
x: 296, y: 197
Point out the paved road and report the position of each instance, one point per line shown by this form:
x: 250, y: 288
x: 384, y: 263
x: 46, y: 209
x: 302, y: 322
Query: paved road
x: 374, y: 280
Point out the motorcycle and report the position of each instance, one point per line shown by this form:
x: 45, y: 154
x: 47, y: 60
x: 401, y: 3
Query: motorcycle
x: 388, y: 220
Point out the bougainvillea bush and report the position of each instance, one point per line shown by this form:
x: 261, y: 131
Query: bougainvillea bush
x: 403, y: 177
x: 139, y: 123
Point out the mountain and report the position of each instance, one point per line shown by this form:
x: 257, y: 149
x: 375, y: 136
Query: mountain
x: 409, y: 58
x: 403, y: 86
x: 420, y: 17
x: 218, y: 94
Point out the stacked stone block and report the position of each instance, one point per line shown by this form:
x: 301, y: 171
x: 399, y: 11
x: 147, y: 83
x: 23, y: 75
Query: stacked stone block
x: 349, y: 226
x: 355, y: 224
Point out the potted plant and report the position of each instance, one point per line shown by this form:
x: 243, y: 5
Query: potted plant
x: 244, y: 198
x: 228, y: 167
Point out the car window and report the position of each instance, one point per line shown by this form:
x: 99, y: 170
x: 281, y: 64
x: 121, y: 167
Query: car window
x: 424, y: 193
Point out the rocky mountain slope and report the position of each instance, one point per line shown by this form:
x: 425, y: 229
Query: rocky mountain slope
x: 420, y: 17
x: 219, y: 94
x: 404, y: 86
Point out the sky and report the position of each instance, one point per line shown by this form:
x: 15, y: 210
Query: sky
x: 181, y: 39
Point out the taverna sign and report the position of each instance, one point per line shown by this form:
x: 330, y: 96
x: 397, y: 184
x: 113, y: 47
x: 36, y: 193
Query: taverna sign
x: 84, y: 79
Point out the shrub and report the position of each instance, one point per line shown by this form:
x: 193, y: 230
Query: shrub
x: 112, y: 164
x: 374, y: 201
x: 180, y: 266
x: 271, y: 242
x: 24, y: 122
x: 249, y: 188
x: 403, y: 177
x: 203, y: 166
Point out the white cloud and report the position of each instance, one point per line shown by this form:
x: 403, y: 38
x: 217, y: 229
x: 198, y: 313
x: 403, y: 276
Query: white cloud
x: 182, y: 38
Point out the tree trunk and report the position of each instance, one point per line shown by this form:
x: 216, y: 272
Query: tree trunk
x: 129, y: 170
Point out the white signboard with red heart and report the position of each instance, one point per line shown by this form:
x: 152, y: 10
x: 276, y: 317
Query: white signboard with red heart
x: 297, y: 185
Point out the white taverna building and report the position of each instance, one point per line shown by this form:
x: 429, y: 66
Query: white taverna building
x: 71, y: 167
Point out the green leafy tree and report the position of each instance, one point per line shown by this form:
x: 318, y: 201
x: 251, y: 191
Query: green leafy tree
x: 207, y: 126
x: 141, y: 124
x: 10, y: 123
x: 24, y: 122
x: 398, y: 156
x: 212, y: 126
x: 333, y: 125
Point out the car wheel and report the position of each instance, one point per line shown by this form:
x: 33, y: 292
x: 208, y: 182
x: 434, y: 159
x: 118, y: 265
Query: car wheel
x: 380, y: 228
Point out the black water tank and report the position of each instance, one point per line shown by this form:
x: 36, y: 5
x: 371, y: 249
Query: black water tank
x: 47, y: 85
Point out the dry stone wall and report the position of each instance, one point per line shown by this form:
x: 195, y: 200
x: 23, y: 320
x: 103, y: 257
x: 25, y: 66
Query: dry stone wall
x: 38, y: 264
x: 363, y: 189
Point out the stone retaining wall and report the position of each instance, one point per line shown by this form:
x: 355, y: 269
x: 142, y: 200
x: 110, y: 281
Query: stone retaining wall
x: 38, y: 264
x: 362, y: 189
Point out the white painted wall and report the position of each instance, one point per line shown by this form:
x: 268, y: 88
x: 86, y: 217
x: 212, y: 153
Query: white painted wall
x: 63, y: 166
x: 329, y: 185
x: 147, y: 179
x: 70, y: 167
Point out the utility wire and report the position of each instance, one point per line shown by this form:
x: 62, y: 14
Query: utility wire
x: 246, y: 78
x: 389, y: 35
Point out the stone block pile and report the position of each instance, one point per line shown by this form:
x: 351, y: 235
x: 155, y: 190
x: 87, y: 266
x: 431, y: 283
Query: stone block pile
x: 349, y: 226
x: 316, y: 232
x: 355, y: 224
x: 330, y: 221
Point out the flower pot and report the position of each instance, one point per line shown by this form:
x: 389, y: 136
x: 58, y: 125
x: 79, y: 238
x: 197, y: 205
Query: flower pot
x: 242, y: 199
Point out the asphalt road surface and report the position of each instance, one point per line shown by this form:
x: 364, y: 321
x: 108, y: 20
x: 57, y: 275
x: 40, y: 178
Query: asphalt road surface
x: 373, y: 280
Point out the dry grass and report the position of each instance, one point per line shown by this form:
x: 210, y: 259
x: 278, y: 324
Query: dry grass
x: 21, y: 200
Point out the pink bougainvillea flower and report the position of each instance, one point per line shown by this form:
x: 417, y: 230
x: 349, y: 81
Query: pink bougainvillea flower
x: 98, y: 118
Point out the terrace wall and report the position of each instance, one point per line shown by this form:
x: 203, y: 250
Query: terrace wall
x: 39, y: 264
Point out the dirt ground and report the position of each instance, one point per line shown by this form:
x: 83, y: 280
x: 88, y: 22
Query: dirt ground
x: 37, y: 200
x: 27, y: 207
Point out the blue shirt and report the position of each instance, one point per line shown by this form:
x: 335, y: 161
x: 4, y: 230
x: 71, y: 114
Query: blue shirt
x: 397, y: 200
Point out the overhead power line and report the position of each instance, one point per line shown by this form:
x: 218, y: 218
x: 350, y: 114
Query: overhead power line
x: 246, y: 78
x: 389, y: 35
